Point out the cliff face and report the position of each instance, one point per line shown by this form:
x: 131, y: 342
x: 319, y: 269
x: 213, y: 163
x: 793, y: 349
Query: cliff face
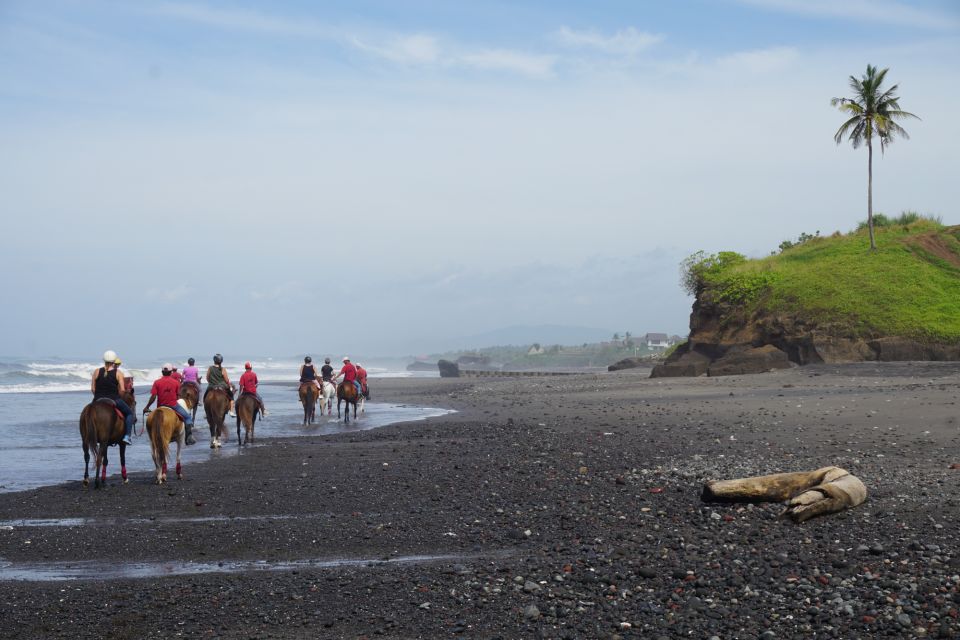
x: 728, y: 339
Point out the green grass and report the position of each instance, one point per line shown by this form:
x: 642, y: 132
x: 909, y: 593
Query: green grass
x: 897, y: 290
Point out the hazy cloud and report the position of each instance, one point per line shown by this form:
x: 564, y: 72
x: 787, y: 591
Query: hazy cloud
x: 760, y: 60
x: 513, y: 61
x: 885, y: 11
x: 624, y: 42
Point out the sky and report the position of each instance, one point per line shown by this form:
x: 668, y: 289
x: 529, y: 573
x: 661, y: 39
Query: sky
x: 378, y: 176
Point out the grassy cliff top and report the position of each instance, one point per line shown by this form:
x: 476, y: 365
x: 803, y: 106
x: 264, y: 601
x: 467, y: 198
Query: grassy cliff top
x: 909, y: 286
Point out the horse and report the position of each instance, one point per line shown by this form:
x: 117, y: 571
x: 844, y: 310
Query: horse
x: 308, y: 398
x: 247, y: 410
x: 326, y: 397
x: 100, y: 427
x: 164, y: 426
x: 347, y: 391
x: 191, y: 393
x: 216, y: 403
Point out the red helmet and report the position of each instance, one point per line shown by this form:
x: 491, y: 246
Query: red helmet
x: 247, y: 365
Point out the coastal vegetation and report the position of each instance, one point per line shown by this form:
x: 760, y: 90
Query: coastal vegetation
x: 873, y: 111
x: 908, y: 287
x: 536, y: 356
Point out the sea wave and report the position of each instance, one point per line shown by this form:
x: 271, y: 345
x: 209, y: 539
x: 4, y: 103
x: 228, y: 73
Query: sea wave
x: 58, y: 377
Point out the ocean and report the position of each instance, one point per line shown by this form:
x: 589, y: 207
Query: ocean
x: 41, y: 400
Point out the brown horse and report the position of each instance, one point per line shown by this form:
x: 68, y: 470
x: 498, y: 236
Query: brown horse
x: 216, y: 403
x: 347, y: 392
x: 191, y: 393
x: 308, y: 398
x: 100, y: 427
x: 247, y: 409
x: 164, y: 426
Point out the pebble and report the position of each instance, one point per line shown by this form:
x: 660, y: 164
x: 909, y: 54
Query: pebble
x: 531, y: 612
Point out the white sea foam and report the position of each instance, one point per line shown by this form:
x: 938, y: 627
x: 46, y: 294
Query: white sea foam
x: 59, y: 377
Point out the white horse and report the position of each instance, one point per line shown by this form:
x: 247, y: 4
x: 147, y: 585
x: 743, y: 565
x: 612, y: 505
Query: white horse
x: 327, y: 395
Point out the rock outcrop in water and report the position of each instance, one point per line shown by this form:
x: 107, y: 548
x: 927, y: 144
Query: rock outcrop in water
x: 448, y: 369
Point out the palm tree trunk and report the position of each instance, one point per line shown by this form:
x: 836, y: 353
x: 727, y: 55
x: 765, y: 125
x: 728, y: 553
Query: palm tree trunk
x: 873, y: 245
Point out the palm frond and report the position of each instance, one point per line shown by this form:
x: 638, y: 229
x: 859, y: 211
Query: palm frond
x: 844, y: 128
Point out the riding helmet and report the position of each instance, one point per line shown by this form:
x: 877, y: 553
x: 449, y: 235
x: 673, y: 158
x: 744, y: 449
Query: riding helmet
x: 190, y: 361
x: 308, y: 359
x: 218, y: 359
x: 326, y: 360
x: 109, y: 356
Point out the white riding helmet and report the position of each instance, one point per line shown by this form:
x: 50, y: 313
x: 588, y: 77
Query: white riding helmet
x: 346, y: 358
x: 109, y: 356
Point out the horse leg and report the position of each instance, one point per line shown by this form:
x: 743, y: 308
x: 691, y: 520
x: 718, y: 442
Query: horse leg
x: 123, y: 462
x: 86, y: 464
x: 253, y: 423
x: 181, y: 439
x: 155, y: 454
x: 238, y: 430
x: 99, y: 454
x: 103, y: 471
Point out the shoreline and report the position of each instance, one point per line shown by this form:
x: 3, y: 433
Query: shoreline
x: 535, y: 479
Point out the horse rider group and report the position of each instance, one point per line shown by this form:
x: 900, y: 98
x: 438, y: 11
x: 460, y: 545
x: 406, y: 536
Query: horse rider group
x: 109, y: 383
x: 350, y: 372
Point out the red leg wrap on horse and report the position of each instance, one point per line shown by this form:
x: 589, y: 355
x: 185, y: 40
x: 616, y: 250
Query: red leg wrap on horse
x: 164, y: 467
x: 123, y: 472
x: 178, y: 468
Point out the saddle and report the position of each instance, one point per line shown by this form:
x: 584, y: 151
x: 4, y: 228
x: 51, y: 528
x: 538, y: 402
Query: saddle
x: 176, y: 415
x: 112, y: 403
x: 192, y: 384
x: 224, y: 390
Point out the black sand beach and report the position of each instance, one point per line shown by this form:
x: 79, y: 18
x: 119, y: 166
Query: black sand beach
x: 562, y: 507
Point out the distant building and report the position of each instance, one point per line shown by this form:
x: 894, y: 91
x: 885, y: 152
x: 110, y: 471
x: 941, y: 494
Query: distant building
x: 657, y: 340
x: 536, y: 350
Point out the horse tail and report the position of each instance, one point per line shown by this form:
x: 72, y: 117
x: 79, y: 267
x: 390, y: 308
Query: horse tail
x: 156, y: 436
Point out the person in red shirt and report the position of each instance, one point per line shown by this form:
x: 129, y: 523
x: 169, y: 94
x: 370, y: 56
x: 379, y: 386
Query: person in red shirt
x: 176, y: 375
x: 362, y: 379
x: 349, y: 373
x: 165, y: 390
x: 248, y: 385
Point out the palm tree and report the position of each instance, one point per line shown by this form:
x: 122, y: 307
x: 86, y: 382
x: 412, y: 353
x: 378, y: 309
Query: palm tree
x: 872, y: 113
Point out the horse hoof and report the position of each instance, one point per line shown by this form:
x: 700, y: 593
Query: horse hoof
x: 126, y: 481
x: 179, y: 476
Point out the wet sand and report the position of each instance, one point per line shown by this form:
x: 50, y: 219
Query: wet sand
x: 559, y: 507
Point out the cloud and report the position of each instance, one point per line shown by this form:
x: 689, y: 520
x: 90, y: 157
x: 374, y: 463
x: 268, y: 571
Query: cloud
x: 242, y: 20
x: 760, y: 60
x: 625, y: 42
x: 168, y: 295
x: 406, y: 49
x: 885, y: 11
x: 508, y: 60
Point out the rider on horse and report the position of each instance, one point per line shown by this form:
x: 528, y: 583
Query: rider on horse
x: 362, y: 379
x: 107, y: 384
x: 326, y: 371
x: 191, y: 374
x: 349, y: 373
x: 127, y: 379
x: 217, y: 379
x: 176, y: 375
x: 165, y: 391
x: 248, y: 386
x: 308, y: 372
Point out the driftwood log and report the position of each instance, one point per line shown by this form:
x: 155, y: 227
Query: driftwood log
x: 807, y: 493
